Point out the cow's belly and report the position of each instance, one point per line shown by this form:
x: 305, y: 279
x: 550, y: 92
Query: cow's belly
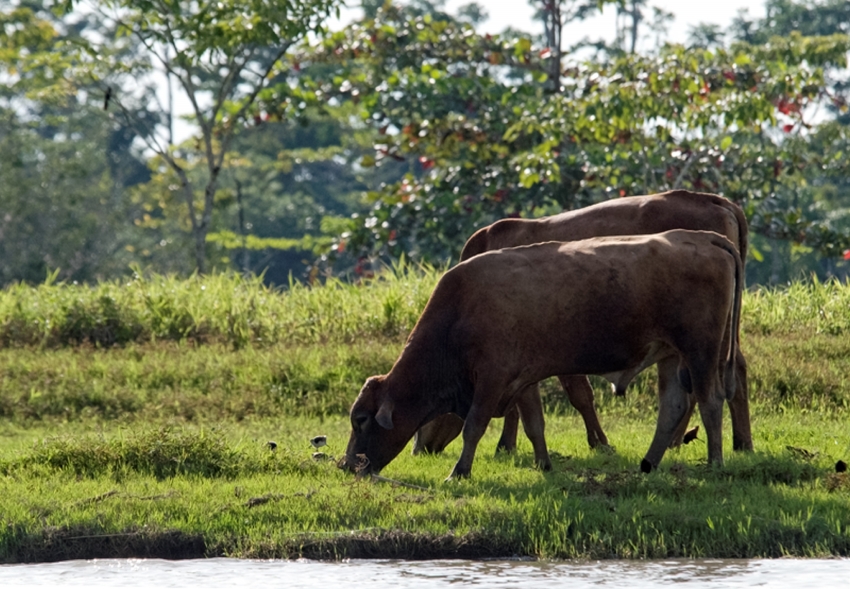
x: 620, y: 379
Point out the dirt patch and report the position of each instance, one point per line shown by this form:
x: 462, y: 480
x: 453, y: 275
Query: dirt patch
x: 56, y: 544
x: 72, y: 544
x: 392, y: 544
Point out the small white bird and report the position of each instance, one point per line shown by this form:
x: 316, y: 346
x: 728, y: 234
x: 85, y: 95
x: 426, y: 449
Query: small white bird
x: 319, y: 441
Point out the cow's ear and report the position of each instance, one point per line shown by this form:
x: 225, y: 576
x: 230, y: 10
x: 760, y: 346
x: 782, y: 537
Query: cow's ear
x: 384, y: 417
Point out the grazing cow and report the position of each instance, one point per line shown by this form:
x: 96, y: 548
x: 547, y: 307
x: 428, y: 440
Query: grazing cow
x: 635, y: 215
x: 509, y: 318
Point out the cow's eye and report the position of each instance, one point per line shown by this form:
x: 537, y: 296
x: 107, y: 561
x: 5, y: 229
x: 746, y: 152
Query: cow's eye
x: 360, y: 421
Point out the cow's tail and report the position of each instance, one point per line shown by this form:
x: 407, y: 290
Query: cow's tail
x: 734, y: 316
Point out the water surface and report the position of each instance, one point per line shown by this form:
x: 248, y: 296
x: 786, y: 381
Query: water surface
x: 400, y: 574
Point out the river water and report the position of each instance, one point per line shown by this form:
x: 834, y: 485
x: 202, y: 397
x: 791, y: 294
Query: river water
x: 399, y: 574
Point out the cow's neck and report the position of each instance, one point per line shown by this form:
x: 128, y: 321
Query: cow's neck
x: 428, y: 371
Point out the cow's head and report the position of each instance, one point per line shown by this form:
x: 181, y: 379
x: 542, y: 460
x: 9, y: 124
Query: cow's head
x: 379, y: 429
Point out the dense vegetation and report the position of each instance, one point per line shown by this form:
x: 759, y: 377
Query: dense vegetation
x: 143, y: 429
x: 326, y: 151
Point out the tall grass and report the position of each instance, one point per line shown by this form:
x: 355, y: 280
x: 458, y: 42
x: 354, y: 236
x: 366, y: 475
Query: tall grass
x: 240, y: 311
x: 812, y: 307
x: 227, y: 347
x: 223, y: 308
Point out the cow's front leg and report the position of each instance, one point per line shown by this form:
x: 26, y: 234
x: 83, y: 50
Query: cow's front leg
x: 474, y: 427
x: 531, y: 412
x: 673, y: 404
x: 580, y: 394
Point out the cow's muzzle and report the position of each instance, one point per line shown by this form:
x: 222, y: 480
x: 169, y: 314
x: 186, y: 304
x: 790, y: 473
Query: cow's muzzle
x: 359, y: 464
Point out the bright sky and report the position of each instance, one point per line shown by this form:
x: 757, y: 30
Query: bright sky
x: 688, y: 13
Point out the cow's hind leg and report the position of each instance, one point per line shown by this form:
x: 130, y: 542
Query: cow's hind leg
x: 673, y: 403
x: 739, y: 411
x: 679, y: 434
x: 580, y: 394
x: 739, y: 408
x: 531, y: 411
x: 711, y: 411
x: 709, y: 391
x: 507, y: 441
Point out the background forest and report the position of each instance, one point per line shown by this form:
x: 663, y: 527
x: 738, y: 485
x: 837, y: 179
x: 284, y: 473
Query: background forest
x: 313, y: 152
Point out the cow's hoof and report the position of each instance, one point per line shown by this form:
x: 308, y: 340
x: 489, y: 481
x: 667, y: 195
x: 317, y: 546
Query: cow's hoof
x: 457, y: 475
x: 742, y: 445
x: 645, y: 466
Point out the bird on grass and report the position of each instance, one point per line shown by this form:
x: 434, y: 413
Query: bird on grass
x: 319, y: 441
x: 272, y: 445
x: 691, y: 435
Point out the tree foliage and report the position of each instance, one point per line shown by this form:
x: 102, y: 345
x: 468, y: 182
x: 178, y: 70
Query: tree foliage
x: 221, y: 56
x: 63, y: 166
x: 400, y: 134
x: 473, y: 117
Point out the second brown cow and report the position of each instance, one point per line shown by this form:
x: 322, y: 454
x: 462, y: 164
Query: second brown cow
x: 636, y: 215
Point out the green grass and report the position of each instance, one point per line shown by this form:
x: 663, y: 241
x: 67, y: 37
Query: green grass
x: 226, y: 491
x: 134, y: 421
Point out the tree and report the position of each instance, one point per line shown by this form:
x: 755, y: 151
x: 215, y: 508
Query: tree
x: 221, y: 56
x: 705, y: 35
x: 555, y: 15
x: 782, y: 17
x: 821, y: 192
x: 485, y: 138
x: 64, y: 166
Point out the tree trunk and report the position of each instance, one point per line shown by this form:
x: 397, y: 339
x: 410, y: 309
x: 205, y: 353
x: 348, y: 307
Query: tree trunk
x: 636, y: 16
x: 242, y: 233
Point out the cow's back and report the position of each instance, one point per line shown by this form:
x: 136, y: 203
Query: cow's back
x: 634, y: 215
x: 526, y: 299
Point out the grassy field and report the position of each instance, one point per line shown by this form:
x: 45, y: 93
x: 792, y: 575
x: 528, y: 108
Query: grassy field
x: 135, y: 420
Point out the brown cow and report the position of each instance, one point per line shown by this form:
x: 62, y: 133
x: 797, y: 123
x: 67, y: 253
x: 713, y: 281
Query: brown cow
x: 636, y: 215
x: 507, y: 319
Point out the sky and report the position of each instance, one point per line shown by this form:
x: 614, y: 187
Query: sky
x: 688, y: 13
